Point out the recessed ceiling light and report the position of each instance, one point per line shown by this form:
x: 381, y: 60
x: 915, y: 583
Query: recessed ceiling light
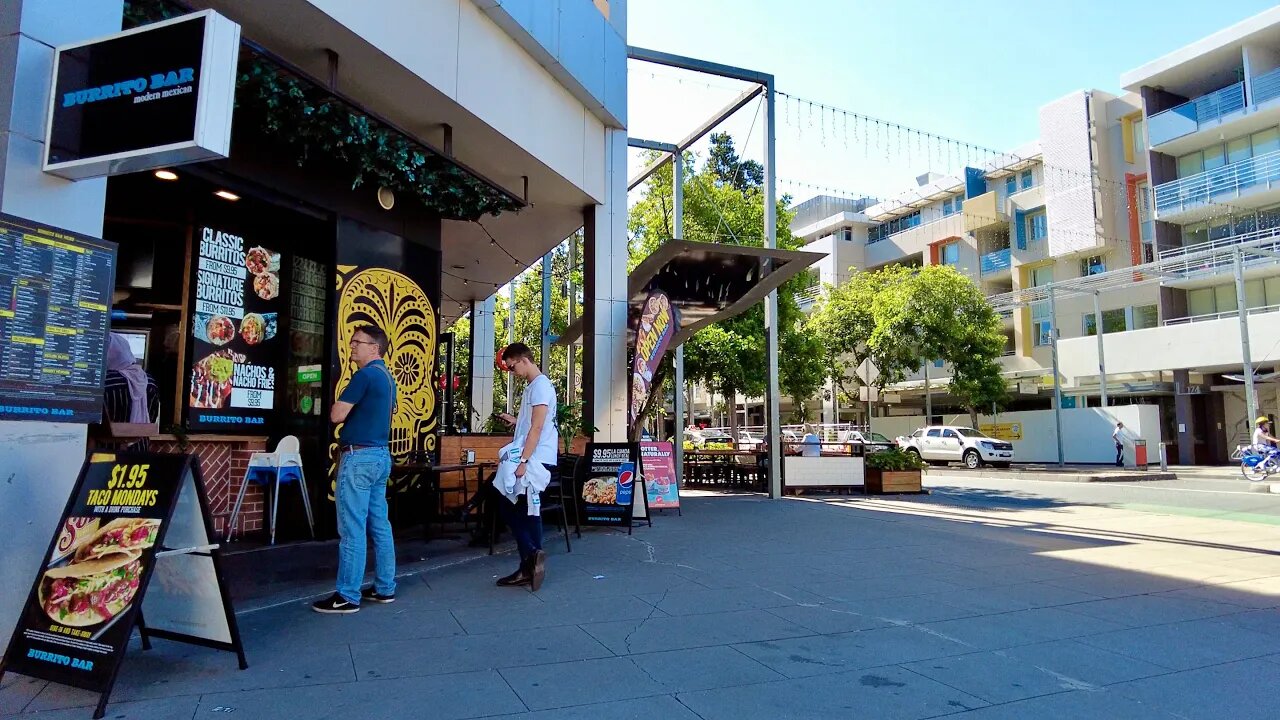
x: 459, y: 267
x: 227, y: 195
x: 166, y: 175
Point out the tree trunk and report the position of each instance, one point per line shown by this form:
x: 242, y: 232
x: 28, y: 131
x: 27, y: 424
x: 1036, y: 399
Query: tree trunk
x: 731, y: 400
x: 973, y: 416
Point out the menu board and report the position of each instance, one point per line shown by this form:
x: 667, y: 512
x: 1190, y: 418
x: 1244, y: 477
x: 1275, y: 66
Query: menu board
x: 608, y: 485
x: 55, y: 306
x: 660, y: 480
x: 307, y: 307
x: 236, y: 354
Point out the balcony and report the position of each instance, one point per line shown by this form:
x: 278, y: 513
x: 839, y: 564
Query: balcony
x: 1247, y: 184
x: 808, y: 297
x: 983, y: 211
x: 1192, y: 116
x: 996, y: 261
x: 1266, y: 87
x: 914, y: 242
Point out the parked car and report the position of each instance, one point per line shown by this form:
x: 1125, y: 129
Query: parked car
x: 748, y: 440
x: 703, y: 437
x: 871, y: 441
x: 941, y: 444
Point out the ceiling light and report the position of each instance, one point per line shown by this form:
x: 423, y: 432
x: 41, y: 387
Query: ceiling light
x: 386, y: 198
x: 227, y: 195
x: 459, y: 267
x: 166, y: 175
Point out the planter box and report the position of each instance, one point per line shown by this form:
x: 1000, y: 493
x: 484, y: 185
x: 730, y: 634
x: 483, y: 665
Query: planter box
x: 879, y: 482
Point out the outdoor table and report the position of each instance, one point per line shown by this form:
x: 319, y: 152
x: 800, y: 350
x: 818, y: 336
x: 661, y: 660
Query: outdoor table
x: 431, y: 474
x: 727, y: 468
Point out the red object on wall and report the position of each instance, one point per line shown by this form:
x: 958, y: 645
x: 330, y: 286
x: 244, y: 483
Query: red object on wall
x: 1135, y: 230
x: 498, y: 362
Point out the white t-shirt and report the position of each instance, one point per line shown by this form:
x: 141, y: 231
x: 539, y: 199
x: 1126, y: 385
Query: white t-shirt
x: 1259, y: 443
x: 539, y: 392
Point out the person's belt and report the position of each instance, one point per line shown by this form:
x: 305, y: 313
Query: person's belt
x: 353, y: 448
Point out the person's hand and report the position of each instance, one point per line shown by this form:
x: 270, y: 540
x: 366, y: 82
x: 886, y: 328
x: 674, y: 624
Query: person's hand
x: 507, y: 418
x: 520, y: 469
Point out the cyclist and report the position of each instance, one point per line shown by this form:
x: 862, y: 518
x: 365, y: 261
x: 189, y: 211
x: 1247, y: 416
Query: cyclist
x: 1263, y: 441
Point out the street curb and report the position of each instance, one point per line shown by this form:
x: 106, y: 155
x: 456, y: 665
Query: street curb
x: 1058, y: 476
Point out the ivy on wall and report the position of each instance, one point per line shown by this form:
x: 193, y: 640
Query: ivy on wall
x: 316, y: 126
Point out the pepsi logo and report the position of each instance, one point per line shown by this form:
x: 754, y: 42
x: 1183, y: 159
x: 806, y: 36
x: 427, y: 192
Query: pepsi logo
x: 626, y: 477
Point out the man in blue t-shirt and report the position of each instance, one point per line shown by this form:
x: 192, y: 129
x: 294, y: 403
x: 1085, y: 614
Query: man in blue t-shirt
x: 364, y: 410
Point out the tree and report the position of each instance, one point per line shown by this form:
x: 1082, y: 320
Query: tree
x: 724, y: 203
x: 936, y: 313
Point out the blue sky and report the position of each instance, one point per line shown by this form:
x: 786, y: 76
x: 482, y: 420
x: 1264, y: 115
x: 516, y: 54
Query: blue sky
x: 977, y: 71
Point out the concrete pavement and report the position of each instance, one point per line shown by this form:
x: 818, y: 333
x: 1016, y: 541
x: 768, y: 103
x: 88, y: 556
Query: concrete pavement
x: 744, y: 608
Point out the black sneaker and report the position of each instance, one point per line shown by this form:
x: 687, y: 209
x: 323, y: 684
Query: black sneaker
x: 374, y: 596
x: 335, y: 605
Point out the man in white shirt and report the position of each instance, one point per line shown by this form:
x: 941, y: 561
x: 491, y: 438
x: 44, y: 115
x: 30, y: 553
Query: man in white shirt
x: 1119, y: 435
x: 537, y: 425
x: 1263, y: 440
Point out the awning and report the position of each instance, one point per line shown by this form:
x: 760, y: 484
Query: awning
x: 706, y: 282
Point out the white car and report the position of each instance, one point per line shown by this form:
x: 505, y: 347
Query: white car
x: 748, y: 440
x: 942, y: 444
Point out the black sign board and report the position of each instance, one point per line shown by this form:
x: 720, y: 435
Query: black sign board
x: 237, y: 350
x: 153, y: 96
x: 131, y: 518
x: 55, y: 306
x: 611, y: 487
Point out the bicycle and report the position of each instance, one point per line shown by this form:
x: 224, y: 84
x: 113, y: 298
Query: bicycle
x: 1258, y: 466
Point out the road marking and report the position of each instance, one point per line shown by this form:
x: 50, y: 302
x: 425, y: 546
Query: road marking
x: 1143, y: 486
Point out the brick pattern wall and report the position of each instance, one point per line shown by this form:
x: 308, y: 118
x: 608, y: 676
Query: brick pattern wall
x: 223, y: 463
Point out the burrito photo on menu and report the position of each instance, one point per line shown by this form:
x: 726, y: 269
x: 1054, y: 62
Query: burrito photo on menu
x: 124, y: 535
x: 90, y: 592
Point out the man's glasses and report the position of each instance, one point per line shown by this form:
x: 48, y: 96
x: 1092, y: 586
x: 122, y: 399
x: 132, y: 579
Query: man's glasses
x: 362, y: 342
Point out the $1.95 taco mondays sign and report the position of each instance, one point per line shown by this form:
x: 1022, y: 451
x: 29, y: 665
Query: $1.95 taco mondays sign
x: 85, y: 600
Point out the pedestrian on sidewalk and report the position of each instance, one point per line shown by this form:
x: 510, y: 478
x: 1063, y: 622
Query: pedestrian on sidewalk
x: 364, y: 409
x: 536, y: 436
x: 1120, y: 436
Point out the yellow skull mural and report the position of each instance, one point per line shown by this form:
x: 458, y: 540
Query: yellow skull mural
x: 396, y: 304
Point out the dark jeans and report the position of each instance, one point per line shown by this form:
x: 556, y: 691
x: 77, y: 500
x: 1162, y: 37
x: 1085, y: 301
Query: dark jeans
x: 526, y: 528
x: 1119, y: 455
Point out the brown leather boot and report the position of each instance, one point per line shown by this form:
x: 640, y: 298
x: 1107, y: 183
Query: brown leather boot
x: 521, y: 576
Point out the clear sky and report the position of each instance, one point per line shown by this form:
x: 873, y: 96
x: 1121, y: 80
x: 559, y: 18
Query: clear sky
x: 976, y: 71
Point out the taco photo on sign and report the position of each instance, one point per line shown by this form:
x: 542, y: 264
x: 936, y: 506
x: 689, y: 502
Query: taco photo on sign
x: 90, y: 592
x: 125, y: 535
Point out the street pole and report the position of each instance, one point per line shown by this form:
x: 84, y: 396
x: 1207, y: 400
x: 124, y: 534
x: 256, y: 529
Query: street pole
x: 1102, y: 362
x: 772, y: 429
x: 511, y: 337
x: 571, y: 382
x: 1057, y: 382
x: 1250, y: 396
x: 544, y: 352
x: 928, y: 396
x: 677, y: 233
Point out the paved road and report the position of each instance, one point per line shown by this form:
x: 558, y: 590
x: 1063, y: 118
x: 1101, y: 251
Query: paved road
x: 1220, y: 492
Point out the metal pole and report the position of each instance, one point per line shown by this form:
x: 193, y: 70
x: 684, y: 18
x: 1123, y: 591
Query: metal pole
x: 570, y: 370
x: 1057, y: 382
x: 544, y: 352
x: 928, y: 396
x: 511, y: 337
x: 1102, y: 361
x: 772, y: 428
x: 447, y: 339
x: 1250, y: 396
x: 677, y: 233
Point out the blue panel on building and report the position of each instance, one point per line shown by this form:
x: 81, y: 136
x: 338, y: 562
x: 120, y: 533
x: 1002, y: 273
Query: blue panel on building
x: 1020, y: 223
x: 975, y: 182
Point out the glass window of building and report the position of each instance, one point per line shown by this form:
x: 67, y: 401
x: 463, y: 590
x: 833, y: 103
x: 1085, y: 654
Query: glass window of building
x: 1113, y: 321
x: 1027, y: 179
x: 1037, y: 226
x: 1220, y: 228
x: 1042, y: 331
x: 1201, y: 302
x: 949, y: 254
x: 1271, y: 287
x: 1190, y: 164
x: 1224, y: 297
x: 1139, y: 135
x: 1092, y: 265
x: 1195, y: 233
x: 1010, y: 185
x: 1239, y: 150
x: 1255, y: 294
x: 1215, y: 156
x: 1041, y: 276
x: 1265, y: 141
x: 1145, y: 316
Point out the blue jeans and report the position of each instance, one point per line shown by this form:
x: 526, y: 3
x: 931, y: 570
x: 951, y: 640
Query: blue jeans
x: 362, y: 507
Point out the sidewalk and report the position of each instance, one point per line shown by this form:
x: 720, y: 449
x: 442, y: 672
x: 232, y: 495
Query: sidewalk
x: 747, y: 608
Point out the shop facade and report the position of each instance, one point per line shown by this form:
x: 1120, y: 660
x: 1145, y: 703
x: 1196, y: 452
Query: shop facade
x: 241, y: 280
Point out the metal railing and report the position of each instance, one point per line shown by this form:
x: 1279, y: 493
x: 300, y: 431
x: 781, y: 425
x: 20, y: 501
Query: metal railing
x: 1187, y: 117
x: 1212, y: 185
x: 1220, y: 315
x: 996, y: 261
x: 1266, y: 87
x: 1220, y: 243
x: 809, y: 296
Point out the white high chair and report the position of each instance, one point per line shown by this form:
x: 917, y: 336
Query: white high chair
x: 283, y: 465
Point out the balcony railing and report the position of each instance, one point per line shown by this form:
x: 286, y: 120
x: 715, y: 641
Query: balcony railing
x: 1266, y: 87
x: 1189, y: 116
x: 996, y: 261
x: 808, y: 296
x: 1221, y: 315
x: 1212, y: 185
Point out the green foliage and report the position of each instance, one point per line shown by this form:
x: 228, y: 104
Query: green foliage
x: 898, y: 318
x: 317, y: 127
x: 570, y: 423
x: 895, y: 460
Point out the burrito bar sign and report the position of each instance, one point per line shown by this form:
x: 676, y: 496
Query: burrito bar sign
x: 155, y: 96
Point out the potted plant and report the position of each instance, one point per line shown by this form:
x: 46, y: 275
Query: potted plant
x: 570, y: 423
x: 893, y: 471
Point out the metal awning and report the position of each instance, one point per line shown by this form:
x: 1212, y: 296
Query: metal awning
x: 707, y: 282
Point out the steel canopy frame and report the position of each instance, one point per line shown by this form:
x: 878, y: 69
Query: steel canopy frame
x: 763, y: 85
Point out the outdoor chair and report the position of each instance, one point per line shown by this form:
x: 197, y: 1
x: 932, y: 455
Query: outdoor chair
x: 282, y: 466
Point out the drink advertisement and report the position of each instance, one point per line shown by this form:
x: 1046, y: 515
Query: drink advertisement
x: 80, y: 612
x: 658, y: 324
x: 608, y: 485
x: 235, y: 351
x: 661, y: 483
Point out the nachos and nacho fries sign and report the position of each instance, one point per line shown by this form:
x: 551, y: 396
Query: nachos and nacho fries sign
x: 87, y: 596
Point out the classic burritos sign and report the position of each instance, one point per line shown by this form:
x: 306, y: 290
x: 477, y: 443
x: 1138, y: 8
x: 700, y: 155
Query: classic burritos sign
x: 154, y: 96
